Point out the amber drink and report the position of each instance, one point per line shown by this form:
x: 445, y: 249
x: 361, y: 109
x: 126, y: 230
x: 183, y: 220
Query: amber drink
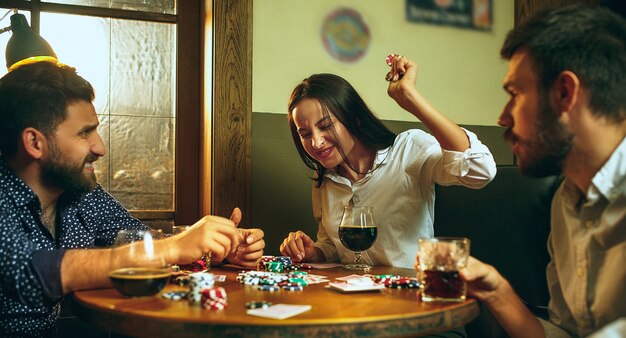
x: 440, y: 260
x: 139, y: 282
x: 138, y: 267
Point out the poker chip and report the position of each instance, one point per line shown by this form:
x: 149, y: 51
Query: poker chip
x: 298, y: 273
x: 174, y: 295
x: 274, y: 281
x: 389, y: 59
x: 285, y: 260
x: 274, y: 266
x: 397, y: 282
x: 258, y: 305
x: 262, y: 261
x: 214, y: 298
x: 298, y: 281
x: 267, y: 288
x: 300, y: 266
x: 198, y: 282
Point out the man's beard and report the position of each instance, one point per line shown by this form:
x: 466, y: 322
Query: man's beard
x: 59, y: 172
x: 546, y: 152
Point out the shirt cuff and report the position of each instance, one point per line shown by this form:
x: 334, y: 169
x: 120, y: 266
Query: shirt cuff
x: 330, y: 252
x: 47, y: 267
x: 457, y: 163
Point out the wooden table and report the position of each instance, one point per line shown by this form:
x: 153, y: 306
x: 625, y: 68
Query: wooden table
x: 390, y: 312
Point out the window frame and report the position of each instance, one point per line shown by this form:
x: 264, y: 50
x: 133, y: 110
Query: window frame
x: 213, y: 169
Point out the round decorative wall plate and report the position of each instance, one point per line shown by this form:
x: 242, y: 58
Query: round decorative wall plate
x: 345, y: 35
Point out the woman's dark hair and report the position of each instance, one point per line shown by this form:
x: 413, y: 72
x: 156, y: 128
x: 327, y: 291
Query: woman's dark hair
x: 589, y: 41
x: 339, y: 98
x: 37, y: 95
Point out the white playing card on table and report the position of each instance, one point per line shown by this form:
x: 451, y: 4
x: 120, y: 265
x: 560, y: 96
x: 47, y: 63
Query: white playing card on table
x: 279, y: 311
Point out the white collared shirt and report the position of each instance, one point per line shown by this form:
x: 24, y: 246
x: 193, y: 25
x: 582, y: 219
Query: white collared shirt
x: 401, y: 188
x: 587, y: 272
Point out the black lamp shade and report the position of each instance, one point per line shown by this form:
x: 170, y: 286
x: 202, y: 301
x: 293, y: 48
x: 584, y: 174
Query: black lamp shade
x: 25, y: 44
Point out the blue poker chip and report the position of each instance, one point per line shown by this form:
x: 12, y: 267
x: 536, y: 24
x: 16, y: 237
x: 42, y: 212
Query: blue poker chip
x: 174, y: 295
x: 293, y: 287
x: 258, y: 305
x: 268, y: 288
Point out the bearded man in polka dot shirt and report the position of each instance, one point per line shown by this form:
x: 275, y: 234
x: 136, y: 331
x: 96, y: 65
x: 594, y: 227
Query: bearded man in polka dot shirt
x: 55, y: 220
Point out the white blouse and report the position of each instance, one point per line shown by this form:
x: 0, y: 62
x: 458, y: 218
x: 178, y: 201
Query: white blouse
x: 401, y: 188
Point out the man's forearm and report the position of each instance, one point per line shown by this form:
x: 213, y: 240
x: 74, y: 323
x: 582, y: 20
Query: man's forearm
x: 85, y: 269
x: 513, y: 314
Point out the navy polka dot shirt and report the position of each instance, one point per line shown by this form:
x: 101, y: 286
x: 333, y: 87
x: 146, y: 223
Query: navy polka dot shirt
x: 30, y: 258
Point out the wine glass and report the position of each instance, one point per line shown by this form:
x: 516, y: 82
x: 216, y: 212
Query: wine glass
x: 138, y: 267
x: 358, y: 232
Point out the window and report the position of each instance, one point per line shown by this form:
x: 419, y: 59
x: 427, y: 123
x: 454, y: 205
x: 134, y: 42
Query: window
x: 127, y: 49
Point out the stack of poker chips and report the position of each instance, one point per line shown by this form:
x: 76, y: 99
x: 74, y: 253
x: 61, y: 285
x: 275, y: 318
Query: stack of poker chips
x: 397, y: 282
x: 260, y: 278
x: 274, y: 264
x: 279, y: 264
x: 199, y: 281
x: 271, y: 281
x: 213, y: 298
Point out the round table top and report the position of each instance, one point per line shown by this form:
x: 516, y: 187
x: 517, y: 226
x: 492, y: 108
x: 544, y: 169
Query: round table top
x: 389, y: 312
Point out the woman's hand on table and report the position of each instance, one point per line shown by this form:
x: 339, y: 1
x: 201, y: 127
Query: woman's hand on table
x: 299, y: 246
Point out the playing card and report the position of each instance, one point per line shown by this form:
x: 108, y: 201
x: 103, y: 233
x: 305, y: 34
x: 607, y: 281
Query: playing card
x: 279, y: 311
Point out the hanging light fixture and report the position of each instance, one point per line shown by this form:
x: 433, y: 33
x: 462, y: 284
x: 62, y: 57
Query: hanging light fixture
x: 25, y: 46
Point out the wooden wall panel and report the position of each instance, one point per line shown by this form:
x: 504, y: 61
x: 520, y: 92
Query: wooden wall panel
x: 232, y: 108
x: 188, y: 103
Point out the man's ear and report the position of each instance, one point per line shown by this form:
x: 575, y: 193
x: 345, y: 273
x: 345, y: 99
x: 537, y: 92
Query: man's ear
x: 33, y: 141
x: 566, y: 92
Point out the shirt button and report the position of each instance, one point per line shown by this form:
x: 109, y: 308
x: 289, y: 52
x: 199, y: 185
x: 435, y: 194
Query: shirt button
x: 589, y: 224
x: 580, y: 272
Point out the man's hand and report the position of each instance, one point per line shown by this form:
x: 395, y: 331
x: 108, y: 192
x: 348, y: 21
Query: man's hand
x: 486, y: 284
x: 483, y: 280
x: 211, y: 233
x: 251, y: 244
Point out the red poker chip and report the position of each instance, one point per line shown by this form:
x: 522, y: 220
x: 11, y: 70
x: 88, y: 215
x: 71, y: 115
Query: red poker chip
x: 389, y: 59
x: 214, y: 304
x: 214, y: 293
x: 213, y: 298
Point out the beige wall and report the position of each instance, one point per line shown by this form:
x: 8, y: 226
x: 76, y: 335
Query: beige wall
x: 460, y: 69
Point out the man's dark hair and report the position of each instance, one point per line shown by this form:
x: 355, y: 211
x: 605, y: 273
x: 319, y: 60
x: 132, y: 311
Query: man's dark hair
x: 589, y: 41
x: 337, y: 96
x: 37, y: 95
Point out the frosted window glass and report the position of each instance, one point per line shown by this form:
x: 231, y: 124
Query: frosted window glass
x: 142, y: 166
x: 153, y: 6
x: 131, y: 65
x: 143, y: 57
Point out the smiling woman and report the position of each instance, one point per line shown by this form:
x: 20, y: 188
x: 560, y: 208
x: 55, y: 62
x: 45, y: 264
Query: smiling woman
x: 358, y: 161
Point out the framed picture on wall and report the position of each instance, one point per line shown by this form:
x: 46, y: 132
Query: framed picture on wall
x: 472, y: 14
